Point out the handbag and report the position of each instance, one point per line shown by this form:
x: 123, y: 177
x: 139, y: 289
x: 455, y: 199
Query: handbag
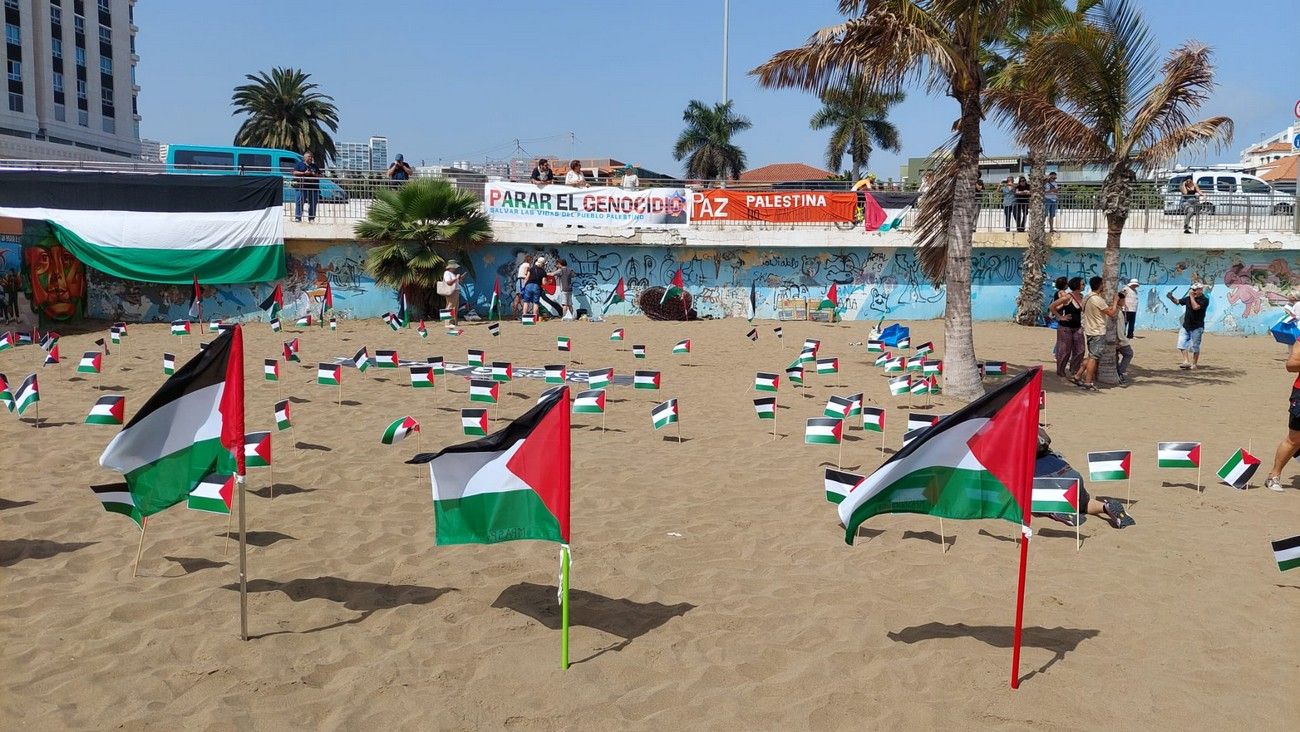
x: 444, y: 289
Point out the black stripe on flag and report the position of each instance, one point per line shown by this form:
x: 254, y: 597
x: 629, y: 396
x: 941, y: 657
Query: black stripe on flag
x: 502, y: 439
x: 68, y: 190
x: 206, y: 369
x: 1108, y: 456
x: 983, y: 408
x: 1284, y: 544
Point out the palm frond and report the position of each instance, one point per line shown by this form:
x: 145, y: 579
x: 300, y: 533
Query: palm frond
x: 1215, y: 132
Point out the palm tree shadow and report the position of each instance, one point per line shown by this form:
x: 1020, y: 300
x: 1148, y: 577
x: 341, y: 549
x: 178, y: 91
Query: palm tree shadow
x: 364, y: 597
x: 13, y: 551
x: 620, y: 617
x: 1059, y: 641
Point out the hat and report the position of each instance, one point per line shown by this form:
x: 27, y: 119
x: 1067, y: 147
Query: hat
x: 399, y: 157
x: 541, y: 259
x: 1197, y: 286
x: 1133, y: 283
x: 453, y: 264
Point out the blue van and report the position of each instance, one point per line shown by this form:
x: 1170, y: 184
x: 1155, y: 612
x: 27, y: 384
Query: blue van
x: 224, y: 160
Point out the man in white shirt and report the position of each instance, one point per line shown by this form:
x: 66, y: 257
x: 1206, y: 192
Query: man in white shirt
x: 1130, y: 293
x: 575, y: 177
x: 630, y: 179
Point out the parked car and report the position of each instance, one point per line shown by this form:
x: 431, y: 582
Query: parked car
x: 228, y: 160
x: 1229, y: 193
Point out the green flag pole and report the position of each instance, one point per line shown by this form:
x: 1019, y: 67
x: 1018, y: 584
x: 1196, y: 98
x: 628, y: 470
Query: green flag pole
x: 564, y: 606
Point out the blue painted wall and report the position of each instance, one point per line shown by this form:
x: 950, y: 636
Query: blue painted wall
x: 1244, y: 286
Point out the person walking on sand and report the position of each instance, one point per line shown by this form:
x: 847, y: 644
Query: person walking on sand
x: 1068, y: 310
x: 1096, y: 317
x: 1291, y: 443
x: 1189, y: 336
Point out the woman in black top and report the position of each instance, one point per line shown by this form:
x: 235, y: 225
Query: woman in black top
x: 1068, y: 310
x: 1022, y: 203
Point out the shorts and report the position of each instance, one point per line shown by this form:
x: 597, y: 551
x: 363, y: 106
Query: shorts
x: 532, y: 293
x: 1293, y: 421
x: 1096, y: 345
x: 1049, y: 206
x: 566, y: 297
x: 1190, y: 341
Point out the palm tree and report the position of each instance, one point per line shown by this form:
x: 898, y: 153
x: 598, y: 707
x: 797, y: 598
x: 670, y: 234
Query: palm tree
x: 943, y: 45
x: 415, y: 229
x: 1120, y: 107
x: 285, y: 111
x: 856, y: 116
x: 706, y: 142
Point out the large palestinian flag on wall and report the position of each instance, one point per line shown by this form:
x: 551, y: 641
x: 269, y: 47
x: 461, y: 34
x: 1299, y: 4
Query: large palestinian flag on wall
x: 185, y: 431
x: 976, y: 463
x: 170, y: 229
x: 884, y: 210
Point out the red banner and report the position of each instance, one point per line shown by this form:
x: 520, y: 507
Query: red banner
x: 774, y: 206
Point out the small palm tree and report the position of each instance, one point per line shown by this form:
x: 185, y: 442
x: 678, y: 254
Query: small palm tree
x: 1120, y: 107
x: 856, y: 117
x: 285, y: 111
x: 706, y: 142
x: 416, y: 228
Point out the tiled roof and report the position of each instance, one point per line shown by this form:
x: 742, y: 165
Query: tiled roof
x: 1271, y: 147
x: 778, y: 172
x: 1283, y: 169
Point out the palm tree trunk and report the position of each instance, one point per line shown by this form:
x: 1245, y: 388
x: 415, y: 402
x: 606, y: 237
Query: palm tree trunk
x: 1116, y: 193
x: 961, y: 376
x: 1029, y: 305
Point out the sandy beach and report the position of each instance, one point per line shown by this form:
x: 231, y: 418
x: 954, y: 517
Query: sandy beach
x: 712, y: 585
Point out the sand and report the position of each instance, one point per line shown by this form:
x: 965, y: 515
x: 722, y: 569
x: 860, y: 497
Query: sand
x: 712, y: 586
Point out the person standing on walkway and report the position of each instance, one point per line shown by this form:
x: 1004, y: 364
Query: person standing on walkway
x: 1068, y: 310
x: 306, y: 178
x: 1189, y: 336
x: 1008, y: 191
x: 1050, y: 190
x: 1191, y: 202
x: 1022, y: 202
x: 1291, y: 442
x: 1130, y: 293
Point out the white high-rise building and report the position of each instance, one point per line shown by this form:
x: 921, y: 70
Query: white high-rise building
x: 378, y: 153
x: 71, y: 91
x: 372, y: 155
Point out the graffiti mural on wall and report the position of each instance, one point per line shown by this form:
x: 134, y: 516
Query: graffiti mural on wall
x: 15, y: 304
x: 1245, y: 286
x: 53, y: 279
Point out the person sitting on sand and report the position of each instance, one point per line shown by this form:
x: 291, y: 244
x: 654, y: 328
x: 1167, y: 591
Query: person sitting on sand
x: 1107, y: 508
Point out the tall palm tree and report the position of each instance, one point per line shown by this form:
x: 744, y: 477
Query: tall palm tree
x: 285, y: 111
x: 857, y: 116
x: 416, y: 229
x: 942, y: 44
x: 706, y: 142
x: 1121, y: 107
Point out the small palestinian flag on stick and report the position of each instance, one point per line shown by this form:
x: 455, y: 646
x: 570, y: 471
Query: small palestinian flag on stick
x: 807, y: 355
x: 839, y: 484
x: 291, y: 351
x: 6, y: 396
x: 837, y: 407
x: 794, y: 374
x: 925, y: 348
x: 274, y: 302
x: 304, y: 321
x: 900, y: 386
x: 828, y: 366
x: 1110, y: 466
x: 114, y: 336
x: 638, y: 351
x: 454, y: 331
x: 169, y: 363
x: 812, y: 344
x: 116, y: 498
x: 764, y: 381
x: 873, y: 419
x: 361, y: 359
x: 855, y: 405
x: 562, y: 343
x: 474, y: 357
x: 474, y: 421
x: 591, y: 401
x: 1178, y: 455
x: 276, y: 326
x: 103, y: 345
x: 831, y: 301
x: 1239, y: 469
x: 271, y: 369
x: 600, y: 378
x: 920, y: 386
x: 875, y: 346
x: 823, y: 431
x: 398, y: 430
x: 915, y: 363
x: 329, y: 374
x: 494, y: 307
x: 108, y: 410
x: 257, y: 449
x: 645, y: 380
x: 392, y: 321
x: 664, y: 414
x: 674, y: 288
x: 215, y: 493
x: 683, y: 346
x: 779, y: 333
x: 617, y: 335
x: 483, y: 390
x: 994, y: 369
x: 387, y: 359
x: 180, y: 327
x: 765, y: 407
x: 92, y: 362
x: 528, y: 319
x: 555, y: 373
x: 282, y: 421
x: 884, y: 358
x: 52, y: 357
x: 438, y: 365
x: 936, y: 367
x: 421, y: 377
x: 1055, y: 495
x: 502, y: 371
x: 6, y: 340
x: 751, y: 307
x: 616, y: 296
x: 494, y: 330
x: 214, y: 325
x: 334, y: 324
x: 421, y: 330
x: 752, y: 334
x: 1286, y: 552
x: 895, y: 365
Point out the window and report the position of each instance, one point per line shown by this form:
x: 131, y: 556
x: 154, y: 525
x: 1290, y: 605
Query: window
x: 1226, y: 184
x: 205, y: 158
x: 78, y: 24
x: 105, y: 6
x: 58, y: 81
x: 11, y: 4
x: 15, y: 70
x: 56, y: 16
x: 56, y: 47
x: 133, y: 74
x: 59, y: 113
x: 81, y: 89
x: 1254, y: 185
x: 83, y: 118
x: 105, y: 34
x: 15, y: 102
x: 106, y: 96
x: 1176, y: 183
x: 255, y: 161
x: 81, y: 56
x: 110, y: 125
x: 1205, y: 183
x: 105, y: 65
x: 12, y: 36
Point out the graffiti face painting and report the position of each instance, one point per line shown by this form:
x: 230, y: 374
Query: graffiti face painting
x: 57, y: 280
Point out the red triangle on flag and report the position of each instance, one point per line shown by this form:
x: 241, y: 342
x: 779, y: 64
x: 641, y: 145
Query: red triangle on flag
x: 1008, y: 444
x: 118, y: 410
x: 1195, y: 455
x: 542, y: 461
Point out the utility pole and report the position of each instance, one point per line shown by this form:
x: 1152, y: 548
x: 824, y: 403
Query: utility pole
x: 726, y: 15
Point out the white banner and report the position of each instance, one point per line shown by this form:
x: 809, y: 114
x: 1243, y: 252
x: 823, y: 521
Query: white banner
x: 613, y: 207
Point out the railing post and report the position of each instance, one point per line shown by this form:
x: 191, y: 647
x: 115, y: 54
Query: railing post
x: 1248, y: 210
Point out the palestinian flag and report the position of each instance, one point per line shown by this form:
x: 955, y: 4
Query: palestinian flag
x: 832, y: 299
x: 421, y: 378
x: 117, y: 498
x: 275, y: 325
x: 120, y: 326
x: 214, y: 326
x: 108, y: 410
x: 752, y: 334
x: 52, y: 357
x: 935, y: 388
x: 839, y: 484
x: 675, y: 288
x: 114, y: 336
x: 751, y: 307
x: 556, y: 374
x: 494, y: 329
x: 794, y: 374
x: 391, y: 321
x: 936, y: 367
x: 900, y: 386
x: 26, y: 339
x: 591, y: 401
x: 976, y: 463
x: 511, y: 485
x: 779, y: 333
x: 329, y: 374
x: 398, y: 430
x: 271, y: 369
x: 1239, y: 469
x: 617, y: 335
x: 645, y: 380
x: 1114, y: 465
x: 257, y: 449
x: 904, y: 343
x: 823, y: 431
x: 765, y: 407
x: 48, y: 340
x: 92, y: 362
x: 855, y: 405
x: 1055, y: 495
x: 291, y: 351
x: 600, y: 378
x: 494, y: 307
x: 664, y: 414
x: 895, y: 365
x: 837, y: 407
x: 334, y: 325
x: 1178, y: 455
x: 274, y: 302
x: 915, y: 363
x: 766, y: 382
x: 454, y: 331
x: 883, y: 211
x: 683, y: 346
x: 996, y: 369
x: 169, y: 364
x: 875, y: 346
x: 502, y: 371
x: 638, y: 351
x: 327, y: 300
x: 562, y: 343
x: 873, y: 419
x: 483, y: 390
x: 1286, y: 552
x: 618, y: 295
x: 925, y: 349
x: 812, y: 344
x: 474, y: 421
x: 282, y: 421
x: 304, y: 321
x: 361, y: 359
x: 402, y: 318
x: 918, y: 421
x: 6, y: 340
x: 386, y: 359
x: 215, y: 493
x: 528, y: 320
x: 921, y: 386
x: 29, y: 393
x: 6, y: 396
x: 828, y: 366
x: 438, y: 365
x: 421, y: 330
x: 474, y: 357
x: 884, y: 358
x: 444, y: 315
x: 185, y: 431
x: 180, y: 327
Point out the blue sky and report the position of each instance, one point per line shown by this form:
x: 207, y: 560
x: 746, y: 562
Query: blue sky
x: 450, y: 80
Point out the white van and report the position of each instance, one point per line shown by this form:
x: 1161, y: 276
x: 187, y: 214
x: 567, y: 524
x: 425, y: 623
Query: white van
x: 1229, y: 193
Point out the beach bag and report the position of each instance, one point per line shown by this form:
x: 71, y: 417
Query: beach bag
x: 1285, y: 332
x: 444, y: 289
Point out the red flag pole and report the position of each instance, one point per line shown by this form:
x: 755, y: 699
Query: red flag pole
x: 1020, y: 608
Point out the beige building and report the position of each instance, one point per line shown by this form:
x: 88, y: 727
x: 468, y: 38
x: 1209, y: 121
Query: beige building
x: 70, y: 71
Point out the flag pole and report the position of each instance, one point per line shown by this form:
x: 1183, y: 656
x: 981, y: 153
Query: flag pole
x: 564, y: 606
x: 1078, y: 544
x: 270, y: 440
x: 243, y: 555
x: 139, y: 549
x: 1020, y: 608
x: 943, y: 542
x: 225, y: 551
